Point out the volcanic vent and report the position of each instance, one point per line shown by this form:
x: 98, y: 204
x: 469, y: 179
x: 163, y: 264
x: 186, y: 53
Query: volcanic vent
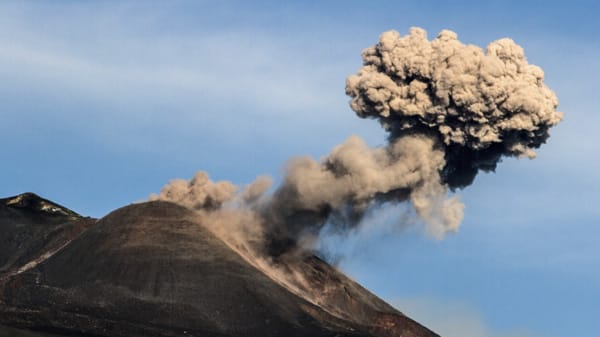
x: 450, y: 110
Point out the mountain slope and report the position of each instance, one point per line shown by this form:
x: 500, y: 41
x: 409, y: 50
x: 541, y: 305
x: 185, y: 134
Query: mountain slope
x: 32, y: 229
x: 153, y: 269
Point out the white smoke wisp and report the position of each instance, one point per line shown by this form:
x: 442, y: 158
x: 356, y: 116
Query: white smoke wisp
x: 451, y: 110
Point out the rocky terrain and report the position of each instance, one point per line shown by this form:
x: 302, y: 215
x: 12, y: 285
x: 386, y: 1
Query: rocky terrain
x: 153, y: 269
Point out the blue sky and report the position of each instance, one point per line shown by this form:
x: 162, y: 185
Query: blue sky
x: 104, y: 102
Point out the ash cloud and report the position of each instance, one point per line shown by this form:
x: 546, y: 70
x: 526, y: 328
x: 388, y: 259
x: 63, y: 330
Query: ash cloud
x: 340, y: 188
x: 450, y: 109
x: 199, y: 193
x: 479, y: 105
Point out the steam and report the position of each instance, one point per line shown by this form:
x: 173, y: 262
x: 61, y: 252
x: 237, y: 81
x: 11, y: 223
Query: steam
x: 451, y: 110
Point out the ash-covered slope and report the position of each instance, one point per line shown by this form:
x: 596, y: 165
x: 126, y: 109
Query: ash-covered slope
x: 32, y: 229
x: 152, y: 269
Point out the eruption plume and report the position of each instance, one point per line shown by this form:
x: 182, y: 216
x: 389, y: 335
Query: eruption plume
x: 479, y: 106
x: 450, y: 109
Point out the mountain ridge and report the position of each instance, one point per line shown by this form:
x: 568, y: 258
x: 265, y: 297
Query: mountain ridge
x: 153, y: 269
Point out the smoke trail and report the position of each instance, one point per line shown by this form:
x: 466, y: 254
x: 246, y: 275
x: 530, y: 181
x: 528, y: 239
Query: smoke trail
x: 341, y: 188
x: 450, y: 110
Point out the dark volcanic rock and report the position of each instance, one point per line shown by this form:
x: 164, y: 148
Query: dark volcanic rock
x: 14, y: 332
x: 152, y: 269
x: 32, y: 228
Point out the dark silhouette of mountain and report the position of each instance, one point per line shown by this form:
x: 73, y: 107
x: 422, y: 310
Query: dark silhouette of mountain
x: 153, y: 269
x: 32, y: 228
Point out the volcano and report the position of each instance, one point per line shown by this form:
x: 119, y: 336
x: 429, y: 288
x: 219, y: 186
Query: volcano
x: 153, y: 269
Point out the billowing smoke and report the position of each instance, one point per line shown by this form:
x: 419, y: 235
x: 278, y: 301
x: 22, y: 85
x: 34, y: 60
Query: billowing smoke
x: 353, y: 178
x: 450, y: 110
x: 479, y: 105
x: 198, y: 193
